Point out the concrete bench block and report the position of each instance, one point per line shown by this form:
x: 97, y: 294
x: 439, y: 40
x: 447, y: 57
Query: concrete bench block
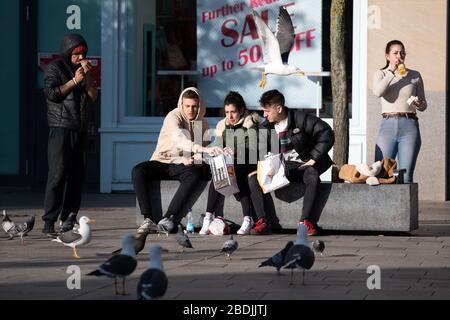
x: 342, y: 206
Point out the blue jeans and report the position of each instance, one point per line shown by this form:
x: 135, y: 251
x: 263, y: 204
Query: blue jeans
x: 399, y: 137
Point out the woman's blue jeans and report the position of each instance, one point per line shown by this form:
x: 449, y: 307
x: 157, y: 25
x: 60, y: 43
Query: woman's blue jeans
x: 399, y: 137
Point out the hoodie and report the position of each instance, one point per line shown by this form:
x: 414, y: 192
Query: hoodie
x: 179, y: 138
x: 65, y: 111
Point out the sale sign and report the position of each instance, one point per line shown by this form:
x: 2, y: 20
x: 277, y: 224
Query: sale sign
x: 229, y: 48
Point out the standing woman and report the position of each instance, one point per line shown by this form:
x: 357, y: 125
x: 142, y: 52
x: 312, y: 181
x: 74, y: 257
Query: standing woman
x: 402, y: 94
x: 232, y: 134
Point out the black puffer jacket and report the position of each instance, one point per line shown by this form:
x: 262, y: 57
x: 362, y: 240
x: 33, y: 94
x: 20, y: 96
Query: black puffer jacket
x: 65, y: 111
x: 310, y: 136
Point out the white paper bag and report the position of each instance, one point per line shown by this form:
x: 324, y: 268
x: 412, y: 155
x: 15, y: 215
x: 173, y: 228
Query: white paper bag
x: 271, y: 173
x: 223, y: 174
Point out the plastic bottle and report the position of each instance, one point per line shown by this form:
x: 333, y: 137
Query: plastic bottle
x: 190, y: 222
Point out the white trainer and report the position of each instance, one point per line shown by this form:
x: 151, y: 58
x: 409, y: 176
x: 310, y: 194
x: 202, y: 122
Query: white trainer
x: 247, y: 224
x: 209, y: 217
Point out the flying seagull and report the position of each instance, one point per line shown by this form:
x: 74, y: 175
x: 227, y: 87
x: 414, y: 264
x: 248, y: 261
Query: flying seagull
x: 300, y: 254
x: 120, y: 265
x: 183, y: 239
x: 139, y: 243
x: 277, y: 260
x: 13, y: 229
x: 76, y: 238
x: 229, y: 247
x: 153, y: 282
x: 276, y: 47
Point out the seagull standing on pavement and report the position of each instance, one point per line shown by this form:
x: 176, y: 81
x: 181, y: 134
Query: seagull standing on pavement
x: 153, y: 282
x: 120, y: 265
x: 300, y: 254
x: 277, y: 260
x: 13, y: 229
x: 276, y: 47
x: 183, y: 239
x: 76, y: 238
x: 229, y: 247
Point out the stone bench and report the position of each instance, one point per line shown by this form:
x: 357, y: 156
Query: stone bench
x: 342, y: 206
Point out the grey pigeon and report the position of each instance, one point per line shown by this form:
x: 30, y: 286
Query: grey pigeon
x: 300, y: 254
x: 229, y: 247
x: 120, y: 265
x: 139, y: 243
x: 69, y: 223
x: 318, y: 246
x: 183, y: 239
x: 13, y: 229
x: 277, y: 260
x: 153, y: 282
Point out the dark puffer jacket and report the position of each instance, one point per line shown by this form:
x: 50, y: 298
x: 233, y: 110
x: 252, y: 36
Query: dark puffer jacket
x: 309, y: 135
x: 65, y: 111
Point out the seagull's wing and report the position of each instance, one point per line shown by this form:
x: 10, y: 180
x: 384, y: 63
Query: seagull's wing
x: 69, y: 236
x: 152, y: 284
x: 119, y: 265
x: 285, y: 33
x: 270, y: 46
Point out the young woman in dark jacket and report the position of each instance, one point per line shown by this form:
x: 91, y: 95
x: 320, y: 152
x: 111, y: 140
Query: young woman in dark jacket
x: 233, y: 134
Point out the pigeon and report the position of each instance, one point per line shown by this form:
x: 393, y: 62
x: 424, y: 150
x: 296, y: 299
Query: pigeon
x: 70, y: 223
x: 183, y: 239
x: 276, y: 47
x: 75, y: 238
x: 139, y: 243
x: 318, y: 246
x: 153, y: 282
x: 277, y: 260
x: 300, y: 254
x: 120, y: 265
x: 13, y: 229
x: 229, y: 247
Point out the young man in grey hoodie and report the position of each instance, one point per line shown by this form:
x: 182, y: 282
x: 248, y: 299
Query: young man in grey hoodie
x: 179, y: 142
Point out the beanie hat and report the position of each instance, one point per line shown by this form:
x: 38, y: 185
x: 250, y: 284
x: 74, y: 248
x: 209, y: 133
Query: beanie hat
x: 81, y: 49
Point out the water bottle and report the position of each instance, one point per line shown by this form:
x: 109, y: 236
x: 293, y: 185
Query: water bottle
x: 190, y: 222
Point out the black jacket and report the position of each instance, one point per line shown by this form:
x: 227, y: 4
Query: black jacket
x: 309, y: 135
x: 68, y: 111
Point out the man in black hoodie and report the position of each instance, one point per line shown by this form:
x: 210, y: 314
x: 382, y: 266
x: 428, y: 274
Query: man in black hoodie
x: 304, y: 140
x: 68, y: 88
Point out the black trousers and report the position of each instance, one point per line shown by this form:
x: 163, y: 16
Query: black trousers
x: 215, y: 199
x: 66, y: 171
x: 147, y: 171
x: 310, y: 176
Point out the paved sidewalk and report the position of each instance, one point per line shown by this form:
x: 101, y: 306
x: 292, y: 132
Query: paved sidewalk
x: 413, y: 266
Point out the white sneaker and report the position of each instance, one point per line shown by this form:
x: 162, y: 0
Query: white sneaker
x: 146, y: 226
x: 247, y: 224
x: 209, y: 217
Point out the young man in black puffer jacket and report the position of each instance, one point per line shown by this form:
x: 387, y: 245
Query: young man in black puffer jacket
x: 304, y: 140
x: 68, y: 88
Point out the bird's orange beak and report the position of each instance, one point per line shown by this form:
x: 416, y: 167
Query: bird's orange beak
x: 300, y: 73
x: 91, y: 221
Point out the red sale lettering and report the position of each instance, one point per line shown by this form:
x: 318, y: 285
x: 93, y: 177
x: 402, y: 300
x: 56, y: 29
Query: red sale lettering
x: 222, y: 12
x: 260, y: 3
x: 230, y: 33
x: 302, y: 37
x: 248, y: 29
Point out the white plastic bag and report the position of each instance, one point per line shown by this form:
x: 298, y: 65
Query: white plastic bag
x: 271, y: 173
